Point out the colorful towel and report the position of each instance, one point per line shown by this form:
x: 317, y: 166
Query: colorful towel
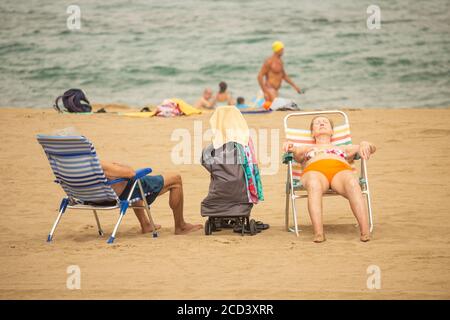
x: 255, y: 169
x: 186, y: 108
x: 251, y: 172
x: 168, y: 108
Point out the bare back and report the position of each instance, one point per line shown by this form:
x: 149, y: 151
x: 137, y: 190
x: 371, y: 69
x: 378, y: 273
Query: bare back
x: 224, y: 97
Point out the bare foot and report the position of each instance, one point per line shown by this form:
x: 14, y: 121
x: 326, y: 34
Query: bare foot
x: 318, y: 238
x: 187, y: 227
x: 365, y: 237
x: 148, y: 228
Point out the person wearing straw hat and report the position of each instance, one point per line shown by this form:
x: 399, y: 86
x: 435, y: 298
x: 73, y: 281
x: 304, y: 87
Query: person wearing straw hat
x: 272, y: 74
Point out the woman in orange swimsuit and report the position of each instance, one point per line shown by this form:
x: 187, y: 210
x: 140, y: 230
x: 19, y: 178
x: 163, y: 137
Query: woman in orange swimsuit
x: 327, y: 166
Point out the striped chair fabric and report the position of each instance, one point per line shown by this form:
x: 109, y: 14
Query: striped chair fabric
x: 77, y: 169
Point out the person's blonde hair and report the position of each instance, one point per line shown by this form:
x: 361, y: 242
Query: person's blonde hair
x: 312, y: 122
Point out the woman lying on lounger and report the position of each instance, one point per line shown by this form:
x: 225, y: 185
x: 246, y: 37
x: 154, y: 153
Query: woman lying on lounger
x: 327, y: 166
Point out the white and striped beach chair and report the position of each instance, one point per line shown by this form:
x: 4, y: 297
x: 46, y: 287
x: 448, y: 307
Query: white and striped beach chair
x: 299, y: 137
x: 77, y: 169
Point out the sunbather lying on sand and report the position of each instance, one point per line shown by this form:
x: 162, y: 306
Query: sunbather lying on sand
x: 158, y: 185
x: 324, y: 166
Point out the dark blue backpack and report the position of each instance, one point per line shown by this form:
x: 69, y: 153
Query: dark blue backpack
x: 72, y: 100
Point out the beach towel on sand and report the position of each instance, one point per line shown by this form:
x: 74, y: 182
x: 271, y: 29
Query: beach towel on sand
x: 283, y: 104
x: 186, y: 108
x: 169, y: 108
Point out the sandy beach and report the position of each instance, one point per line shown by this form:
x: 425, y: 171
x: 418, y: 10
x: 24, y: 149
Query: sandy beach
x: 410, y: 244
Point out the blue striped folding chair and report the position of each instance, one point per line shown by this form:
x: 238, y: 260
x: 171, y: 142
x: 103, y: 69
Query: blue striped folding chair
x: 77, y: 169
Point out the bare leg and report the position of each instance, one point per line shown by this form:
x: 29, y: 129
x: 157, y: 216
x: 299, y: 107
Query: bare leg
x: 143, y: 218
x: 346, y: 184
x: 271, y: 93
x: 316, y: 184
x: 173, y: 184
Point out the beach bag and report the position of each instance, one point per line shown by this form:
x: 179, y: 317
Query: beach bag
x: 168, y: 109
x: 74, y: 101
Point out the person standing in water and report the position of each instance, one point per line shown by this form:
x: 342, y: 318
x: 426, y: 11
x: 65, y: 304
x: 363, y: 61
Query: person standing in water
x: 223, y: 97
x: 272, y: 74
x: 205, y: 100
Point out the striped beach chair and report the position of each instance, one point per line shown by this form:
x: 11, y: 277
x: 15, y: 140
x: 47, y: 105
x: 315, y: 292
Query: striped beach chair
x: 77, y: 169
x: 298, y: 137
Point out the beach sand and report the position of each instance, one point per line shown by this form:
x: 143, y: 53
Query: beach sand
x: 410, y: 244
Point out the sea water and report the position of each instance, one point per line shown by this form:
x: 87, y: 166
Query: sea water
x: 140, y: 52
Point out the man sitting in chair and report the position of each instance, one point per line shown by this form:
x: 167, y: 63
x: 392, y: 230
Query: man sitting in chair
x: 327, y: 166
x: 157, y: 185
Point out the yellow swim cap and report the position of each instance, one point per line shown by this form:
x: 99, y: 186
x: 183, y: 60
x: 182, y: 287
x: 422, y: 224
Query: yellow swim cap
x: 277, y: 46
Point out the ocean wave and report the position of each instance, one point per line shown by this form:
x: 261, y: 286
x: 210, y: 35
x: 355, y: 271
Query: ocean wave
x: 393, y: 21
x: 249, y: 40
x: 425, y: 76
x: 47, y: 73
x: 219, y: 69
x: 350, y: 35
x: 332, y: 54
x: 323, y: 21
x: 401, y: 62
x: 16, y: 47
x: 165, y: 70
x: 194, y: 81
x: 375, y: 61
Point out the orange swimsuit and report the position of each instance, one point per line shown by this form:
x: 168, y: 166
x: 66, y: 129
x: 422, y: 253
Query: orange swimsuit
x: 328, y: 167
